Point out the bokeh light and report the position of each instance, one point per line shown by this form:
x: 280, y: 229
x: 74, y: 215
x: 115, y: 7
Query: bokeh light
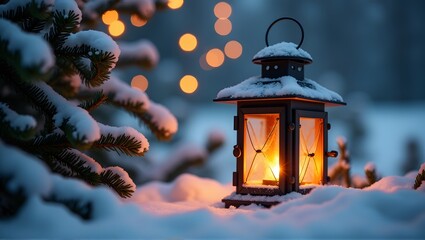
x: 188, y: 42
x: 215, y: 57
x: 203, y: 62
x: 188, y: 84
x: 175, y: 4
x: 109, y: 17
x: 116, y: 28
x: 233, y: 49
x: 222, y: 10
x: 137, y: 21
x: 140, y: 82
x: 223, y: 26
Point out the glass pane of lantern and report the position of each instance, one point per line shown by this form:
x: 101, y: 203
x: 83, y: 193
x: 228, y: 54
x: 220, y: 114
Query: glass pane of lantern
x: 311, y: 151
x: 261, y: 150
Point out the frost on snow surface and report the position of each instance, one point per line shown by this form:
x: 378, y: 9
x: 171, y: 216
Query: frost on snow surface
x: 283, y: 49
x: 190, y: 207
x: 286, y: 86
x: 37, y: 54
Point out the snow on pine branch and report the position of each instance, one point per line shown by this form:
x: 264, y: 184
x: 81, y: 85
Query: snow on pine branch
x: 83, y: 127
x: 15, y: 120
x: 65, y: 7
x: 145, y: 9
x: 26, y: 173
x: 13, y: 5
x: 118, y: 179
x: 141, y: 53
x: 122, y: 94
x: 122, y: 139
x: 32, y: 50
x: 89, y: 162
x: 161, y: 120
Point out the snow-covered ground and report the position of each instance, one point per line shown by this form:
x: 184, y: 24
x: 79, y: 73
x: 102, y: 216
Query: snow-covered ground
x: 190, y: 207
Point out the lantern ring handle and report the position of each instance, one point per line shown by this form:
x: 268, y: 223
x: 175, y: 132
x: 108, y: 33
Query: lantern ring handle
x: 286, y: 18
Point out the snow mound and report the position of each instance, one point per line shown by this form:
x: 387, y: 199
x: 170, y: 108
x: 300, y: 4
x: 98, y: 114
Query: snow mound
x: 16, y: 121
x: 283, y: 49
x: 286, y: 86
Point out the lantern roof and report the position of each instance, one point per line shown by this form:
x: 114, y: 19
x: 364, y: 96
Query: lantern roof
x: 286, y: 87
x: 282, y: 51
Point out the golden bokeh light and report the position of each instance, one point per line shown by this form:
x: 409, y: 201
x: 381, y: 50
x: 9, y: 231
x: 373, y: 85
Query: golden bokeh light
x: 223, y: 27
x: 175, y: 4
x: 188, y: 84
x: 233, y: 49
x: 222, y: 10
x: 116, y: 28
x: 215, y: 57
x: 109, y: 17
x: 137, y: 21
x: 188, y: 42
x: 140, y: 82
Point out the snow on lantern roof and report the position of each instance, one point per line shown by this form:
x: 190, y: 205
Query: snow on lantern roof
x: 278, y: 88
x: 283, y: 50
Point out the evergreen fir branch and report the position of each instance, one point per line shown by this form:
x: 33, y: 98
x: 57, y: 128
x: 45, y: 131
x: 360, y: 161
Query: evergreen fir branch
x: 51, y: 143
x: 62, y: 26
x: 114, y: 181
x: 122, y: 143
x: 93, y: 103
x: 419, y: 179
x: 30, y: 15
x: 14, y: 125
x: 93, y: 65
x: 77, y: 163
x: 159, y: 132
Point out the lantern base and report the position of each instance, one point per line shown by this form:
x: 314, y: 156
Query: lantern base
x: 237, y: 200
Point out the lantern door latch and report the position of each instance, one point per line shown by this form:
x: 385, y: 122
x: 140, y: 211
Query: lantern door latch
x: 332, y: 154
x: 237, y: 151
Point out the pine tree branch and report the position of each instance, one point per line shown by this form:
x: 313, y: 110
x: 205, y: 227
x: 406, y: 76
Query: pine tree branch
x: 419, y: 179
x: 111, y: 178
x: 14, y: 125
x: 30, y: 15
x: 98, y: 99
x: 81, y: 165
x: 62, y: 26
x: 120, y: 144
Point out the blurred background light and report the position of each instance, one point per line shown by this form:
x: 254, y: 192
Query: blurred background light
x: 116, y: 28
x: 140, y: 82
x: 215, y: 57
x: 188, y: 42
x: 188, y: 84
x: 175, y: 4
x: 222, y: 10
x: 233, y: 49
x: 223, y: 26
x: 137, y: 21
x: 109, y: 17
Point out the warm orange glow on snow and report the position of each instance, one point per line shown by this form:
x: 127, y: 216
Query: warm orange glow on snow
x: 109, y: 17
x: 222, y: 10
x: 188, y: 84
x: 188, y: 42
x: 116, y: 28
x: 137, y: 21
x: 233, y: 49
x: 215, y: 57
x: 140, y: 82
x: 175, y: 4
x: 223, y: 26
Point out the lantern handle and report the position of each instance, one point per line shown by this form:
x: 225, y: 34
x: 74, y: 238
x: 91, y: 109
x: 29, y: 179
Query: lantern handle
x: 286, y: 18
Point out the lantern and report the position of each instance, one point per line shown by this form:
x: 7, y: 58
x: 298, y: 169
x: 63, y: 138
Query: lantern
x: 282, y: 127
